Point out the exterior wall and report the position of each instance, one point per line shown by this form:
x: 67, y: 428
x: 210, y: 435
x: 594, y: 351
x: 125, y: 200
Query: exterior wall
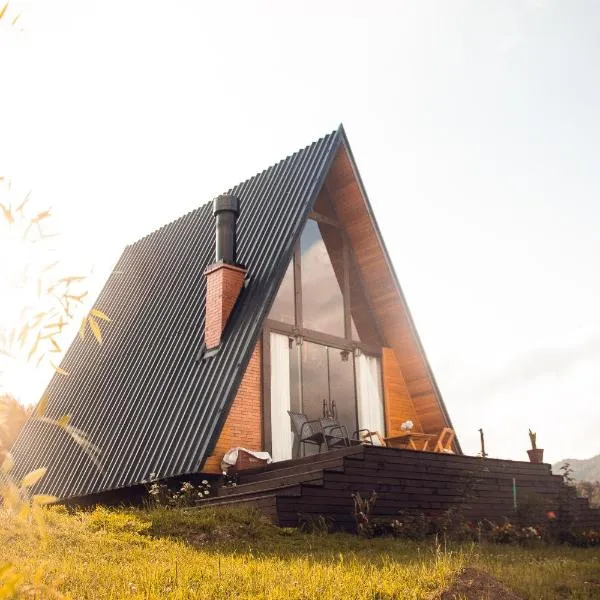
x: 399, y: 406
x: 243, y: 426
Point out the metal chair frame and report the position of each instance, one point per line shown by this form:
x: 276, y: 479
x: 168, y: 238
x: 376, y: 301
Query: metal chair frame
x: 330, y: 427
x: 315, y: 437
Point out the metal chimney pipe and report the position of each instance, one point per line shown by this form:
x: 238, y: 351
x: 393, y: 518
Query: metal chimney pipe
x: 226, y: 209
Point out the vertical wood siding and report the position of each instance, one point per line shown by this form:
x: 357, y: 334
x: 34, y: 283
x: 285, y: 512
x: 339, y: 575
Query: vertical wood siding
x: 399, y: 406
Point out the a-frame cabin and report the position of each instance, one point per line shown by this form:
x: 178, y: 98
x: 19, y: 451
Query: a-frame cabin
x: 299, y: 310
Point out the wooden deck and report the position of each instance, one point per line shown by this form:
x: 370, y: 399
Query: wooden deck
x: 403, y: 479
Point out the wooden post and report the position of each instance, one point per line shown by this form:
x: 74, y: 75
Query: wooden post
x: 483, y: 452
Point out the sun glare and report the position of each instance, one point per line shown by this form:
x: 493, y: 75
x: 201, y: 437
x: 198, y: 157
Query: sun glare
x: 37, y: 298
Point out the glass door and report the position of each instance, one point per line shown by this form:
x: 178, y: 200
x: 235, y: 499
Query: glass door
x: 312, y: 379
x: 342, y: 392
x: 328, y: 384
x: 315, y: 379
x: 315, y: 384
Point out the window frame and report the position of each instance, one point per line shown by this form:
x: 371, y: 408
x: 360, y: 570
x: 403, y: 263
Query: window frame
x: 298, y: 333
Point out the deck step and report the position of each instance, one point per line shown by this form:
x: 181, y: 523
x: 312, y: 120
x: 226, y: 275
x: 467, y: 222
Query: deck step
x: 331, y: 455
x: 336, y: 462
x: 274, y: 484
x: 288, y: 490
x: 234, y: 501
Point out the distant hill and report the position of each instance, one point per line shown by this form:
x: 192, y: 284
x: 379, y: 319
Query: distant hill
x: 583, y: 470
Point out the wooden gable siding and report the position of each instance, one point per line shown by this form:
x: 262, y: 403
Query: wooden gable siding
x: 399, y: 406
x: 243, y: 426
x: 387, y: 303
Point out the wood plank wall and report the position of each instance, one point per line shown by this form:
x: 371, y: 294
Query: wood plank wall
x: 243, y: 426
x: 399, y: 406
x: 432, y: 483
x: 386, y: 300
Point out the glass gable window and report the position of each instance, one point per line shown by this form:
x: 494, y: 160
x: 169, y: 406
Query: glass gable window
x: 284, y: 306
x: 322, y: 264
x: 362, y: 322
x: 321, y: 291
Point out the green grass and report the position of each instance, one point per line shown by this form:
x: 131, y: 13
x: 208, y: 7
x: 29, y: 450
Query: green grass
x: 545, y: 572
x: 237, y: 554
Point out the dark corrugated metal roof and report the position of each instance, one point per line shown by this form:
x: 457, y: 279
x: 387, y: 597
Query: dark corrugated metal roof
x: 143, y: 398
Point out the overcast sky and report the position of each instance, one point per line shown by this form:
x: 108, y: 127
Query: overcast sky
x: 474, y: 125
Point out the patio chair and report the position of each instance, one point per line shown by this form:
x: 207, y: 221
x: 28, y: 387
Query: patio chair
x: 307, y: 431
x: 444, y: 441
x: 371, y: 438
x: 336, y: 434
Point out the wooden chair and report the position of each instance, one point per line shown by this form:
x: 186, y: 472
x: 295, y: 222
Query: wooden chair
x: 372, y: 438
x: 444, y: 441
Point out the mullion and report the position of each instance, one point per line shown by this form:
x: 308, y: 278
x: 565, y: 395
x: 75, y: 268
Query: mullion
x: 298, y: 286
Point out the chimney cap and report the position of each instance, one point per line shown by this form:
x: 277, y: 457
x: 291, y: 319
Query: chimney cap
x: 226, y: 203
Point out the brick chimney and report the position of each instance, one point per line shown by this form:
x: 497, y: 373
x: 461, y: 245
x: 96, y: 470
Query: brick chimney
x: 224, y: 278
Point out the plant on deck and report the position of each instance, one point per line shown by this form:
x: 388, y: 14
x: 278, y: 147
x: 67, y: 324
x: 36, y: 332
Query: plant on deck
x: 532, y: 439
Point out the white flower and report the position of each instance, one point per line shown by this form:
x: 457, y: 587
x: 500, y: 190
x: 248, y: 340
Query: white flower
x: 406, y: 426
x: 204, y: 482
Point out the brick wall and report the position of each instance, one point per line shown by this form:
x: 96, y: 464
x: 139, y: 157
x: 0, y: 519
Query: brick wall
x: 223, y: 285
x: 243, y: 426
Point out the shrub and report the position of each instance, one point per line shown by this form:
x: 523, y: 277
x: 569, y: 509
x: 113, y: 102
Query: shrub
x: 509, y: 533
x: 416, y: 525
x: 587, y: 538
x: 230, y: 479
x: 532, y: 510
x: 362, y: 513
x: 315, y: 524
x: 187, y: 495
x: 412, y: 525
x: 452, y: 525
x: 506, y: 533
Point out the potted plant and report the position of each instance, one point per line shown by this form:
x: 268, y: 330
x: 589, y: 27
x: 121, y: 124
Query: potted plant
x: 536, y: 455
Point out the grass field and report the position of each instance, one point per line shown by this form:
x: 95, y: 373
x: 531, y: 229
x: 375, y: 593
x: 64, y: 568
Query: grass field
x: 237, y: 554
